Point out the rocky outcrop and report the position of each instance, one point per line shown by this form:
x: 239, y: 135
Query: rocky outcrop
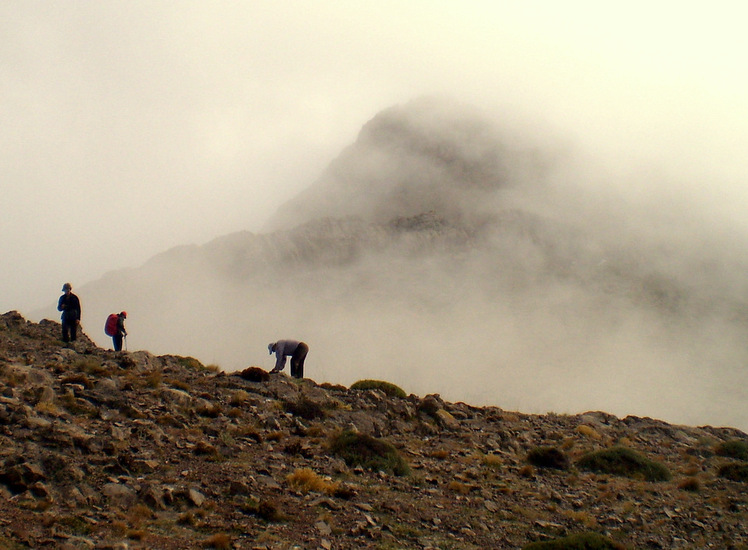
x: 131, y: 450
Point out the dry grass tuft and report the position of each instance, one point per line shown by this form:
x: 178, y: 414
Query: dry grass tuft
x: 178, y: 384
x: 492, y: 461
x: 48, y: 407
x: 589, y: 432
x: 584, y: 518
x: 234, y: 412
x: 305, y: 480
x: 154, y: 379
x: 238, y: 398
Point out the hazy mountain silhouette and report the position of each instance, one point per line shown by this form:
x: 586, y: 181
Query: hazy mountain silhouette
x: 442, y: 254
x: 431, y: 154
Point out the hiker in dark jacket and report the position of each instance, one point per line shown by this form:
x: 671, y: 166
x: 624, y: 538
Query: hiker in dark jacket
x: 282, y: 349
x: 120, y: 333
x: 70, y: 306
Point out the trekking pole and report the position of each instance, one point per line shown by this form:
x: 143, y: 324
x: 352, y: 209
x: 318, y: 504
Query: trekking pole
x: 125, y: 342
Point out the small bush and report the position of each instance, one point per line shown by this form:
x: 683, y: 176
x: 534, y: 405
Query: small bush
x: 548, y: 457
x: 255, y: 374
x: 209, y: 409
x: 527, y: 471
x: 578, y: 541
x: 191, y: 363
x: 386, y: 387
x: 622, y: 461
x: 220, y: 541
x: 368, y: 452
x: 735, y: 471
x: 74, y: 525
x: 203, y: 448
x: 264, y: 509
x: 690, y: 484
x: 305, y: 408
x: 735, y: 448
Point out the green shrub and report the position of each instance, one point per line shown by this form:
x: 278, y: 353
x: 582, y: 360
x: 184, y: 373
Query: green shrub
x: 735, y: 448
x: 735, y: 471
x: 191, y: 363
x: 578, y: 541
x: 368, y: 452
x: 622, y: 461
x: 74, y: 524
x: 386, y: 387
x: 548, y: 457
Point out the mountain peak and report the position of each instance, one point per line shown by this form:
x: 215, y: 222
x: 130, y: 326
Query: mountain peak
x: 428, y: 154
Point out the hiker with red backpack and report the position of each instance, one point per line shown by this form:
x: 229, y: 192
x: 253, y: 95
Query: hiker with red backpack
x: 115, y: 327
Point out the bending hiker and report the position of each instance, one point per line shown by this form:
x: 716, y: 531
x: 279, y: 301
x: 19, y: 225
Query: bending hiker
x: 282, y: 349
x: 115, y: 327
x: 70, y: 306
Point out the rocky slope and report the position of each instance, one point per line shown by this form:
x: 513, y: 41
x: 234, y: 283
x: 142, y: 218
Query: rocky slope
x: 130, y: 450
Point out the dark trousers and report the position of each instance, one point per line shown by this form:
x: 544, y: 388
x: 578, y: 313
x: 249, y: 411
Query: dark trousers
x: 69, y: 330
x: 297, y: 360
x: 117, y: 339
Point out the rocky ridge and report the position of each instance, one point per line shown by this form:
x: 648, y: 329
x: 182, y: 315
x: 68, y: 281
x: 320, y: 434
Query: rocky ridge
x: 130, y: 450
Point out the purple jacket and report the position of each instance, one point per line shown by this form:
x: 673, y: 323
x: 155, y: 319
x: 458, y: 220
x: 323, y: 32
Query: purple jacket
x: 284, y: 348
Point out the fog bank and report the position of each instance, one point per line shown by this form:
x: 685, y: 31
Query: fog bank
x: 443, y: 253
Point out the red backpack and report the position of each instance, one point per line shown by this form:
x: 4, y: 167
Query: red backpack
x: 110, y: 328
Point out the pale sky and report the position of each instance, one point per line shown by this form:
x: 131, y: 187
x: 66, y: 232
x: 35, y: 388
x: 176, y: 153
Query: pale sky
x: 130, y: 127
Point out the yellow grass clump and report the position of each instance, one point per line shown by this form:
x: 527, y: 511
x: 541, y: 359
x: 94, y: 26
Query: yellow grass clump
x: 306, y: 480
x: 588, y: 432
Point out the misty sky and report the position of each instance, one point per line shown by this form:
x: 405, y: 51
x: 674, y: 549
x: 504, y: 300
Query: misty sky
x: 131, y: 127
